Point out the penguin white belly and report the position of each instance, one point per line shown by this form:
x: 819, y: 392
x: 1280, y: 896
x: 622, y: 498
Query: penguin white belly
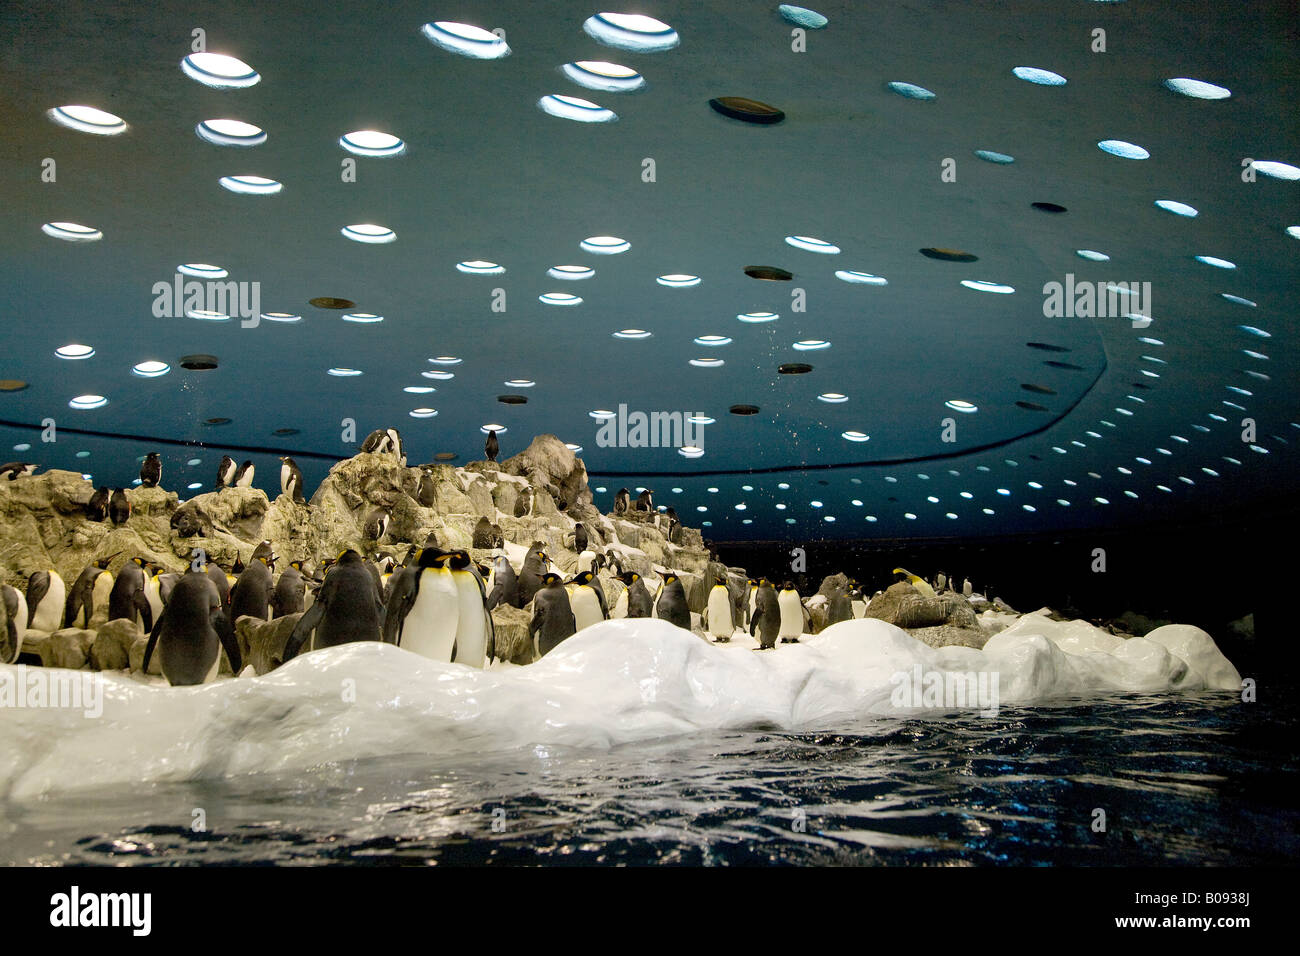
x: 284, y: 480
x: 586, y: 607
x: 859, y: 608
x: 753, y: 602
x: 620, y: 606
x: 429, y: 628
x: 585, y: 560
x: 103, y: 588
x: 49, y: 612
x: 720, y: 612
x: 20, y: 620
x: 152, y: 595
x: 471, y: 622
x: 791, y: 614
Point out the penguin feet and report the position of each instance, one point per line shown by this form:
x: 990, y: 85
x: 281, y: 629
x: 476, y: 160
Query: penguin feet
x: 722, y: 640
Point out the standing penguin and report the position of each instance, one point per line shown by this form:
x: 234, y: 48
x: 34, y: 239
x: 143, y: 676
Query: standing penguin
x: 153, y: 575
x: 838, y: 607
x: 644, y: 501
x: 190, y: 633
x: 751, y: 601
x: 587, y: 600
x: 226, y: 472
x: 151, y: 470
x: 289, y: 591
x: 966, y: 588
x: 553, y: 619
x: 347, y: 608
x: 291, y: 479
x: 475, y: 643
x: 376, y: 525
x: 621, y: 500
x: 720, y: 624
x: 766, y: 617
x: 671, y: 606
x: 11, y: 640
x: 424, y: 607
x: 396, y: 446
x: 85, y: 590
x: 244, y: 476
x: 530, y: 575
x: 17, y: 469
x: 491, y: 446
x: 97, y: 507
x: 579, y: 538
x: 791, y: 614
x: 917, y: 582
x: 119, y: 507
x: 426, y: 492
x: 674, y: 525
x: 252, y: 592
x: 505, y: 585
x: 46, y: 594
x: 127, y: 599
x: 638, y: 598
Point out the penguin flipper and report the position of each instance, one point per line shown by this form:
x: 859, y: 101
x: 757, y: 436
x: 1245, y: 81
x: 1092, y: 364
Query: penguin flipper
x: 38, y: 585
x: 146, y: 612
x: 401, y: 598
x: 306, y: 624
x: 14, y: 641
x: 753, y: 621
x: 226, y: 634
x: 153, y: 640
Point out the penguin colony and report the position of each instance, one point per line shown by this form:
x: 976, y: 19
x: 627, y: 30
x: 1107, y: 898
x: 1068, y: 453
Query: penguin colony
x: 436, y: 603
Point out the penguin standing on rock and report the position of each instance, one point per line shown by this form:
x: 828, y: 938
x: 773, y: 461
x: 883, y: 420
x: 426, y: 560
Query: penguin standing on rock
x: 151, y: 470
x: 671, y: 606
x: 252, y: 593
x: 423, y: 613
x: 226, y: 472
x: 674, y: 525
x: 719, y: 610
x: 291, y: 479
x: 190, y: 633
x: 244, y: 476
x: 46, y: 594
x: 766, y: 617
x: 505, y: 585
x: 97, y: 507
x: 639, y: 603
x: 839, y: 607
x: 289, y: 591
x: 426, y: 492
x: 622, y: 499
x: 491, y: 446
x: 127, y: 599
x: 376, y: 525
x: 119, y: 507
x: 530, y: 576
x: 553, y: 620
x: 587, y: 600
x: 917, y: 582
x: 579, y: 538
x: 644, y: 501
x: 85, y: 590
x: 11, y: 640
x: 791, y: 614
x: 347, y: 608
x: 17, y: 469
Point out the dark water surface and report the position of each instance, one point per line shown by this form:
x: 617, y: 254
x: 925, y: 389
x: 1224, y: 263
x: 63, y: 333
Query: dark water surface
x: 1198, y: 779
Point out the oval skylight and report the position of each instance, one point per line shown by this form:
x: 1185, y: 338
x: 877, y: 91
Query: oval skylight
x: 865, y: 278
x: 802, y: 16
x: 1255, y: 331
x: 1276, y: 170
x: 466, y: 40
x: 576, y: 449
x: 983, y: 285
x: 365, y: 318
x: 631, y: 31
x: 678, y: 280
x: 74, y: 351
x: 87, y: 119
x: 1197, y: 89
x: 704, y: 420
x: 691, y: 451
x: 570, y: 272
x: 605, y: 245
x: 712, y: 340
x: 1216, y: 262
x: 757, y: 317
x: 632, y: 334
x: 1177, y: 208
x: 910, y: 90
x: 202, y: 270
x: 1293, y: 232
x: 604, y: 76
x: 992, y: 156
x: 559, y: 298
x: 1117, y: 147
x: 958, y: 405
x: 520, y: 383
x: 207, y: 315
x: 369, y: 232
x: 423, y: 412
x: 344, y: 372
x: 810, y: 345
x: 230, y: 132
x: 1032, y: 74
x: 72, y: 232
x: 84, y: 402
x: 600, y: 414
x: 855, y: 436
x: 151, y: 369
x: 281, y: 317
x: 575, y: 108
x: 809, y: 244
x: 706, y: 362
x: 251, y: 185
x: 493, y: 427
x: 480, y: 267
x: 833, y: 398
x: 445, y: 360
x: 1238, y: 300
x: 438, y: 376
x: 371, y: 142
x: 219, y: 71
x: 419, y: 389
x: 1092, y: 255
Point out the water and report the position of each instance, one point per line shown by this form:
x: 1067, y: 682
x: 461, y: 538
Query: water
x: 1183, y: 779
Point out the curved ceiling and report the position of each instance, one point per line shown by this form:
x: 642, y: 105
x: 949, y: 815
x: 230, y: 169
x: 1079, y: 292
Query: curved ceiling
x: 1081, y: 419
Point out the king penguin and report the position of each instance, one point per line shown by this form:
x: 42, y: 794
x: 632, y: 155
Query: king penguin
x: 86, y: 592
x: 11, y: 641
x: 719, y: 621
x: 289, y: 591
x: 671, y: 606
x: 766, y: 618
x: 127, y: 599
x: 291, y: 479
x: 505, y: 584
x: 475, y: 642
x: 553, y: 619
x: 252, y: 592
x: 153, y: 591
x: 530, y: 575
x: 151, y: 470
x: 791, y: 614
x: 424, y: 607
x: 751, y: 601
x: 190, y: 633
x: 46, y: 594
x: 347, y: 608
x: 491, y: 447
x: 638, y: 598
x: 917, y: 582
x: 838, y: 606
x: 587, y: 600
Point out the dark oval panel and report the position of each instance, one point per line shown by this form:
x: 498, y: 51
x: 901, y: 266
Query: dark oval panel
x: 949, y: 255
x: 795, y: 368
x: 1039, y: 389
x: 199, y: 363
x: 747, y: 110
x: 744, y: 409
x: 770, y: 273
x: 329, y: 302
x: 1140, y: 385
x: 1064, y: 365
x: 512, y: 399
x: 1047, y: 348
x: 1032, y: 406
x: 285, y: 431
x: 444, y: 456
x: 1048, y: 207
x: 217, y: 421
x: 12, y: 385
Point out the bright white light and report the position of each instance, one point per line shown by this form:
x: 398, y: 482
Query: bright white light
x: 281, y: 317
x: 1032, y: 74
x: 910, y: 90
x: 371, y: 142
x: 466, y: 40
x: 480, y: 267
x: 85, y: 402
x: 230, y: 132
x: 706, y: 362
x: 833, y: 398
x: 207, y: 315
x: 369, y: 232
x: 74, y: 351
x: 757, y: 317
x: 712, y: 340
x: 559, y: 298
x: 605, y: 245
x: 601, y: 414
x: 570, y: 272
x: 857, y: 436
x: 219, y: 71
x: 575, y: 108
x: 632, y: 334
x: 1216, y: 262
x: 493, y: 427
x: 72, y: 232
x: 423, y: 412
x: 151, y: 369
x: 1177, y: 208
x: 87, y: 119
x: 982, y: 285
x: 811, y: 345
x: 1198, y: 89
x: 603, y: 76
x: 365, y: 318
x: 678, y: 280
x: 809, y: 244
x: 1117, y: 147
x: 956, y: 404
x: 1275, y: 169
x: 251, y: 185
x: 865, y: 278
x: 1092, y: 255
x: 520, y: 383
x: 344, y: 372
x: 202, y: 270
x: 690, y: 451
x: 631, y: 31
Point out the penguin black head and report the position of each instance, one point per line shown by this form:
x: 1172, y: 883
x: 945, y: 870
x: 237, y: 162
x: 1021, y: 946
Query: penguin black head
x: 719, y: 579
x: 103, y: 562
x: 349, y: 557
x: 669, y: 578
x: 787, y: 585
x: 629, y: 578
x: 541, y: 556
x: 551, y: 580
x: 432, y: 558
x: 586, y: 577
x: 139, y: 561
x: 458, y: 560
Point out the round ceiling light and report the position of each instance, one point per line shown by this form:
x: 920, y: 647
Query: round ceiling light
x: 864, y: 278
x: 1197, y: 89
x: 632, y: 334
x: 219, y: 71
x: 910, y: 90
x: 87, y: 119
x: 809, y: 244
x: 151, y: 369
x: 559, y: 298
x: 631, y: 31
x: 202, y: 270
x: 72, y: 232
x: 570, y: 272
x: 370, y: 142
x: 575, y: 108
x: 1177, y: 208
x: 678, y: 280
x: 1117, y: 147
x: 602, y: 76
x: 1040, y: 77
x: 983, y: 285
x: 251, y: 185
x: 755, y: 318
x: 368, y: 232
x: 480, y: 267
x: 85, y: 402
x: 74, y: 351
x: 230, y: 132
x: 605, y: 245
x: 466, y: 40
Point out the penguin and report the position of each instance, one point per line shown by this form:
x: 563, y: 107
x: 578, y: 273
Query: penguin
x: 377, y: 442
x: 153, y: 575
x: 151, y: 470
x: 530, y: 576
x: 751, y: 601
x: 127, y: 599
x: 11, y: 640
x: 720, y: 624
x: 46, y: 594
x: 766, y: 617
x: 587, y: 600
x: 264, y: 550
x: 220, y: 580
x: 426, y: 492
x: 838, y: 607
x: 638, y: 598
x: 791, y: 612
x: 424, y: 607
x: 347, y: 608
x: 671, y: 606
x: 376, y: 525
x: 244, y: 476
x: 475, y: 643
x: 190, y: 633
x: 917, y: 582
x: 396, y: 446
x: 289, y: 591
x: 84, y: 591
x: 225, y: 473
x: 621, y: 499
x: 941, y: 582
x: 644, y: 501
x: 97, y: 506
x: 524, y: 503
x: 166, y: 582
x: 291, y: 479
x: 119, y: 507
x: 252, y: 592
x: 483, y: 534
x: 491, y: 447
x: 674, y: 526
x: 579, y: 538
x: 966, y: 589
x: 553, y: 620
x: 386, y: 564
x: 17, y: 469
x: 586, y: 561
x: 505, y: 585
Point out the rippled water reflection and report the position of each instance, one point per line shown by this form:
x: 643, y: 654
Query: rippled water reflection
x: 1182, y: 780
